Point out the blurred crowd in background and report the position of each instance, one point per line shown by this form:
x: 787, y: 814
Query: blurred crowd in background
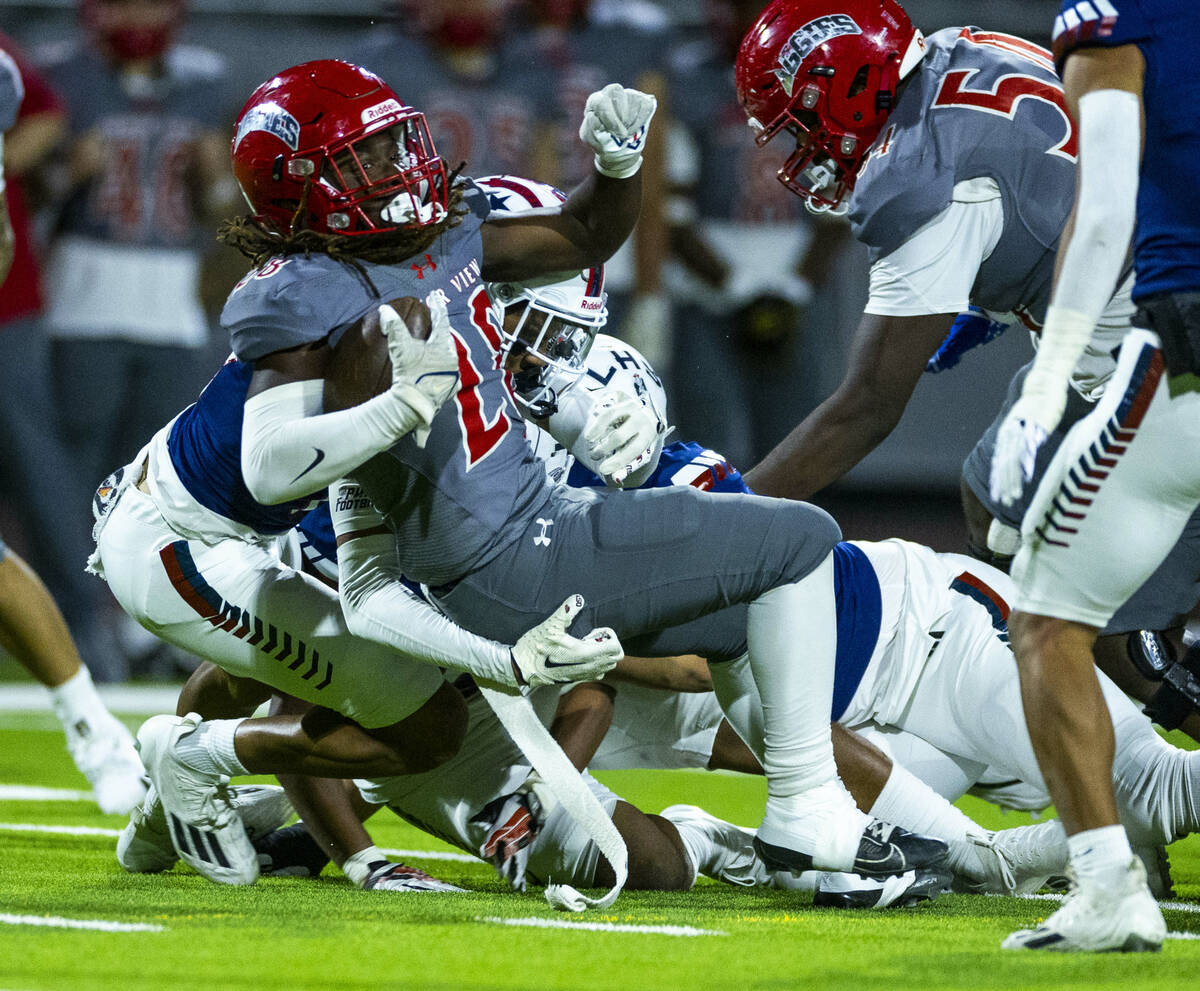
x: 118, y: 177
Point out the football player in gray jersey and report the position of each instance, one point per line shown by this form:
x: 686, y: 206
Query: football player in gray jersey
x: 953, y: 158
x: 354, y: 209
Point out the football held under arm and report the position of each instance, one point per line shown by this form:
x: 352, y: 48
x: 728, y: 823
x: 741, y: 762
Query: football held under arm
x: 290, y: 447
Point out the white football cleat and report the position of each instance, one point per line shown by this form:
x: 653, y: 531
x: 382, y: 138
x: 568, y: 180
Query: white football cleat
x: 102, y: 748
x: 1094, y: 918
x: 1016, y: 861
x: 145, y: 847
x: 205, y: 829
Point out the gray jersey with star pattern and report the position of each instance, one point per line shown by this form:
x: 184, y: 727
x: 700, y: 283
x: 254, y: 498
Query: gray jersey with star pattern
x: 979, y: 105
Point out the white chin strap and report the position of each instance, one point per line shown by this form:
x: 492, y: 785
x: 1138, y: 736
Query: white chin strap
x: 404, y: 210
x: 913, y: 54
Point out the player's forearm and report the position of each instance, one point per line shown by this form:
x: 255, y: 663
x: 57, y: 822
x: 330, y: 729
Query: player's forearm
x: 378, y: 607
x: 583, y: 717
x: 605, y: 211
x: 1096, y: 243
x: 827, y: 444
x: 290, y: 448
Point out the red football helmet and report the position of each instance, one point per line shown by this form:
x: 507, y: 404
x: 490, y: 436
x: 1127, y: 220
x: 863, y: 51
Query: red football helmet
x: 132, y: 31
x: 328, y: 146
x: 827, y: 74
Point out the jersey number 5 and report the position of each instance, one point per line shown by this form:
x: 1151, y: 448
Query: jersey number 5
x: 1009, y: 90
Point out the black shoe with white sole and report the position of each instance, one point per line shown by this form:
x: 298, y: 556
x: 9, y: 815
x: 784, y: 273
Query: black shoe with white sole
x: 911, y: 888
x: 883, y: 851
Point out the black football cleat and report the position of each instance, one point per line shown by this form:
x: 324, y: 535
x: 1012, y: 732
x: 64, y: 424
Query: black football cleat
x: 883, y: 851
x: 903, y: 891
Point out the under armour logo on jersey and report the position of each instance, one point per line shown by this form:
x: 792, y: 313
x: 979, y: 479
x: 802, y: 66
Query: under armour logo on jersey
x: 420, y: 269
x: 542, y: 540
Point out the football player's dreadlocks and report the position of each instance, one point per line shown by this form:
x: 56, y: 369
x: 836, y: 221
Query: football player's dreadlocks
x: 384, y: 248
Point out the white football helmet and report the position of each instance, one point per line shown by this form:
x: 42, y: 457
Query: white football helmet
x: 562, y: 313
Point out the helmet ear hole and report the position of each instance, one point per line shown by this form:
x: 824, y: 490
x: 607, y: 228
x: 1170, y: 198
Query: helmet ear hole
x: 859, y: 82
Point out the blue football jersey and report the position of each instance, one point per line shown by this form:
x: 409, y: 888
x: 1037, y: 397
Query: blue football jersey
x: 1167, y: 237
x: 205, y: 444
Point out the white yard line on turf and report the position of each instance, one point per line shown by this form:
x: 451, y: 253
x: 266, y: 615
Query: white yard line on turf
x: 58, y: 922
x: 32, y: 793
x: 614, y: 927
x: 25, y: 827
x: 132, y: 699
x: 1165, y: 906
x: 459, y: 858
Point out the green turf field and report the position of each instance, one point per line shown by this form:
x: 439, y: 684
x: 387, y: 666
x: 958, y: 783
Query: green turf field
x: 178, y: 931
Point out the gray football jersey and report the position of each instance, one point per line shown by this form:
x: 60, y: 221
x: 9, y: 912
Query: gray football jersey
x: 980, y: 105
x: 141, y: 195
x: 12, y: 91
x: 474, y: 486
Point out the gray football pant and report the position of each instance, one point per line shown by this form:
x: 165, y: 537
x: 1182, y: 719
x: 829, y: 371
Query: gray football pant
x: 647, y: 562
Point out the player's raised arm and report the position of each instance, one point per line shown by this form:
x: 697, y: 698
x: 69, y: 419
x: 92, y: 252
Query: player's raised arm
x: 600, y: 212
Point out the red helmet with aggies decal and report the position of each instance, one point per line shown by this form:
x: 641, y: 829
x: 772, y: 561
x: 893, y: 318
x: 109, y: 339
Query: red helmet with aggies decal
x: 328, y: 146
x: 826, y: 72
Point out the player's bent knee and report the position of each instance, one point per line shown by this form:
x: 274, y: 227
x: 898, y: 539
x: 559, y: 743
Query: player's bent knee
x: 430, y: 736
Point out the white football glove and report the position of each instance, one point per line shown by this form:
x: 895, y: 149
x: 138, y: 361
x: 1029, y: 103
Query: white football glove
x: 549, y: 655
x: 1026, y: 427
x: 512, y: 823
x: 615, y: 123
x: 388, y: 875
x: 424, y: 373
x: 621, y: 435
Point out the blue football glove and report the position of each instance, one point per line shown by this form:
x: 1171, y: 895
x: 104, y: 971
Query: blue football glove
x: 970, y: 330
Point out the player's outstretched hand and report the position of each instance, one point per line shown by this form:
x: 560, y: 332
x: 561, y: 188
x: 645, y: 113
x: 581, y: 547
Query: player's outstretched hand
x: 512, y: 823
x: 424, y: 373
x: 621, y: 435
x: 616, y: 121
x: 549, y: 655
x: 1023, y: 431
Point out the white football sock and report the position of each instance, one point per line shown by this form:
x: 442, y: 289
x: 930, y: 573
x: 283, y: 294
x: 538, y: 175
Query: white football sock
x: 209, y: 748
x: 76, y: 699
x: 733, y: 684
x: 358, y: 865
x: 791, y: 633
x: 906, y: 801
x: 1100, y: 856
